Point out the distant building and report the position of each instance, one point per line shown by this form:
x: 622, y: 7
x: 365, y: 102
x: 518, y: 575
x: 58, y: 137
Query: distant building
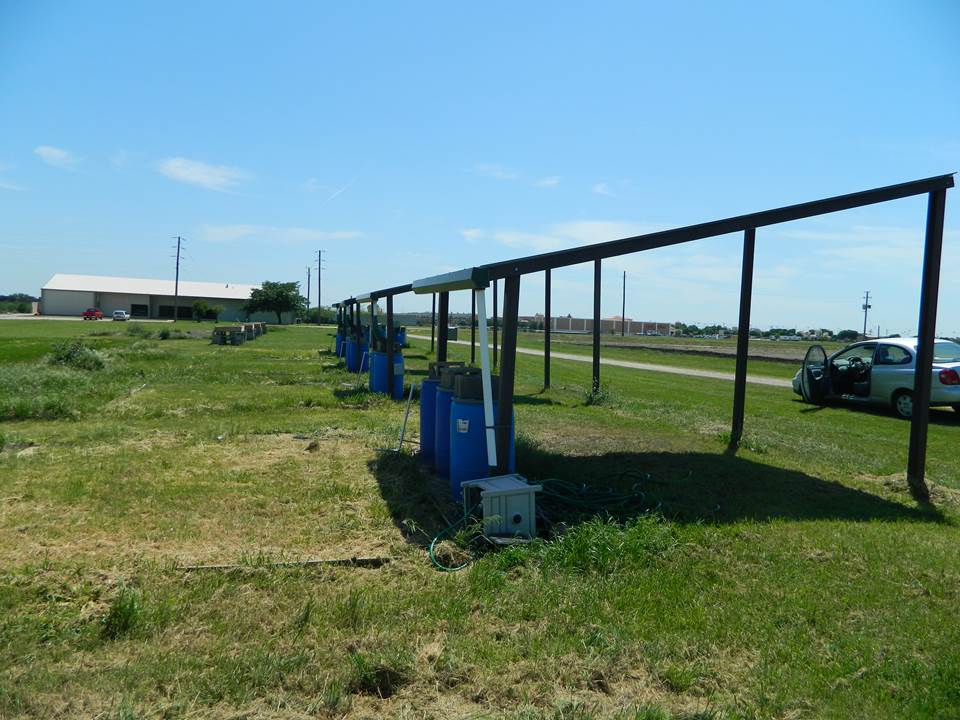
x: 607, y: 325
x: 144, y: 298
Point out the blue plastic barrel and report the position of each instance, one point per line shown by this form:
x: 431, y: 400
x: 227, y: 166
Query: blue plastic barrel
x: 339, y: 346
x: 401, y: 335
x: 441, y: 432
x: 428, y: 419
x: 468, y: 444
x: 379, y: 378
x: 356, y: 355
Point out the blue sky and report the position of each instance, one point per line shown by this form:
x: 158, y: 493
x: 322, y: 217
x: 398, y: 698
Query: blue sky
x: 409, y: 139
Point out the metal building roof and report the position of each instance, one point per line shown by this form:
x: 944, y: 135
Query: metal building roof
x: 148, y: 286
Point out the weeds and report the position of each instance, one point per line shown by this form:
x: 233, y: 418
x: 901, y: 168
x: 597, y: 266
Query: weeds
x: 604, y: 546
x: 73, y: 353
x: 124, y: 615
x: 603, y: 396
x: 381, y: 675
x: 138, y: 330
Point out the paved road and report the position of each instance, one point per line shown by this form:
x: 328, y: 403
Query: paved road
x: 714, y: 374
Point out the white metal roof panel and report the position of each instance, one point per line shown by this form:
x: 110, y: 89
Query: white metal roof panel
x: 148, y: 286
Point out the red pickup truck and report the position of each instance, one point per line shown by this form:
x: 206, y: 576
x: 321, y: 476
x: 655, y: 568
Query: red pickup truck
x: 92, y: 314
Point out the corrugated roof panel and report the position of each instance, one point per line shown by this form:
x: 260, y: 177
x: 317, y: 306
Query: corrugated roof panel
x: 148, y: 286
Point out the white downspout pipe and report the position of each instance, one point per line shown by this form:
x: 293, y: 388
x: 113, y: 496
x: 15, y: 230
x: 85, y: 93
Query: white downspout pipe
x: 481, y: 295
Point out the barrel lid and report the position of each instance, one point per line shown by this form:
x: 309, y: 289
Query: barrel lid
x: 436, y: 366
x: 448, y: 375
x: 470, y: 386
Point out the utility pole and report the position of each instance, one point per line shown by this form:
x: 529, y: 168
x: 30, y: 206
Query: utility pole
x: 319, y: 281
x: 308, y: 293
x: 866, y: 307
x: 176, y: 284
x: 623, y: 308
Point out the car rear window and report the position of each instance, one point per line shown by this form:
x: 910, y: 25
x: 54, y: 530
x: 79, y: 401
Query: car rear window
x: 946, y: 352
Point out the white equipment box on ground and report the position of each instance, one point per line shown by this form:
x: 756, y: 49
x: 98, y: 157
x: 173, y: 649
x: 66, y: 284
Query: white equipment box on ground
x: 509, y: 506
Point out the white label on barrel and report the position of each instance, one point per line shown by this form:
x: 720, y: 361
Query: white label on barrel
x: 463, y: 425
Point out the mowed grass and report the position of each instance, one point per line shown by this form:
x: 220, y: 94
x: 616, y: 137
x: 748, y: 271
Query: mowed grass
x: 794, y: 579
x: 686, y: 353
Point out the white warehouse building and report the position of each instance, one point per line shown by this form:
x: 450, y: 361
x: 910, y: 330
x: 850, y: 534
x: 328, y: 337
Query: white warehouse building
x: 144, y: 298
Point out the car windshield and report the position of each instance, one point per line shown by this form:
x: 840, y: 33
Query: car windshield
x: 946, y: 352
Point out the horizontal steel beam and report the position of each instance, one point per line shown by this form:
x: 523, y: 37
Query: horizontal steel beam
x: 740, y: 223
x: 468, y: 279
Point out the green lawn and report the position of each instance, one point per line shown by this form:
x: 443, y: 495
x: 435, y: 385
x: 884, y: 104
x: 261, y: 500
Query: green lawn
x: 695, y: 355
x: 795, y: 579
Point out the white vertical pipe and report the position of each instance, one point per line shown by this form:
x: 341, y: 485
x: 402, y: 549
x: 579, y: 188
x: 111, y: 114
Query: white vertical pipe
x: 481, y: 295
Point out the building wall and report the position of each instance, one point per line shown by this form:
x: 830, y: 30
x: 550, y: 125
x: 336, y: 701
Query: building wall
x: 74, y: 302
x: 108, y: 302
x: 65, y: 302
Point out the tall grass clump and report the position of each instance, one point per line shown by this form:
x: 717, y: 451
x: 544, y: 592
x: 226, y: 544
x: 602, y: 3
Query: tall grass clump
x: 48, y: 393
x: 139, y: 331
x: 73, y: 353
x: 602, y: 545
x: 603, y: 396
x: 123, y: 616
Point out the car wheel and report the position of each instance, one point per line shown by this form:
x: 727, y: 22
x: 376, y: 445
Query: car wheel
x: 956, y: 407
x: 903, y: 404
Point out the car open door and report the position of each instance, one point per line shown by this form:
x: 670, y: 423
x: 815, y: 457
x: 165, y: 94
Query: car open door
x: 814, y: 376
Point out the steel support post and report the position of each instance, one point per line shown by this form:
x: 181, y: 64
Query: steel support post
x: 390, y: 376
x: 926, y: 332
x: 743, y: 337
x: 508, y: 365
x: 433, y: 321
x: 443, y: 322
x: 494, y: 323
x: 546, y: 329
x: 596, y: 326
x: 473, y: 328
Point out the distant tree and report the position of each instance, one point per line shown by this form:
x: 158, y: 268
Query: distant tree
x: 327, y: 315
x: 846, y: 335
x: 216, y: 311
x: 276, y: 297
x: 200, y: 309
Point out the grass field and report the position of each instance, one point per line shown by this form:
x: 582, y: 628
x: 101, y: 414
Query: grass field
x: 796, y: 579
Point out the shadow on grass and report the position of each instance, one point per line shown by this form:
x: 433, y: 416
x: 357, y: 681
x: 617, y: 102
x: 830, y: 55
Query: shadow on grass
x: 695, y: 487
x: 686, y: 487
x: 938, y: 415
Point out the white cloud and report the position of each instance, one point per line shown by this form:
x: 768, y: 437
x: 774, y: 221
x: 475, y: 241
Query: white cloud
x: 7, y: 185
x: 602, y: 188
x: 472, y: 235
x: 120, y: 158
x: 286, y: 235
x: 548, y: 182
x: 56, y: 157
x: 221, y: 178
x: 533, y: 241
x: 495, y: 172
x: 566, y: 234
x: 312, y: 185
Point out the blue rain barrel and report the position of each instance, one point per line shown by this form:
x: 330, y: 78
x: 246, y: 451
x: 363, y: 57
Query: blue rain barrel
x: 468, y: 444
x: 356, y: 355
x: 366, y: 334
x: 401, y: 335
x: 339, y: 346
x: 378, y: 374
x: 441, y: 432
x: 428, y: 419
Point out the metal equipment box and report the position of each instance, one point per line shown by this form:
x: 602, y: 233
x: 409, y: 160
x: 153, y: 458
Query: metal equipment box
x: 509, y: 506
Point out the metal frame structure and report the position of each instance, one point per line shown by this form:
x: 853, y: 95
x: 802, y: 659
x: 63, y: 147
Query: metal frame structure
x: 510, y: 271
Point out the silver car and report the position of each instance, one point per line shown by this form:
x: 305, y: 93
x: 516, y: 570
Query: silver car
x: 879, y: 372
